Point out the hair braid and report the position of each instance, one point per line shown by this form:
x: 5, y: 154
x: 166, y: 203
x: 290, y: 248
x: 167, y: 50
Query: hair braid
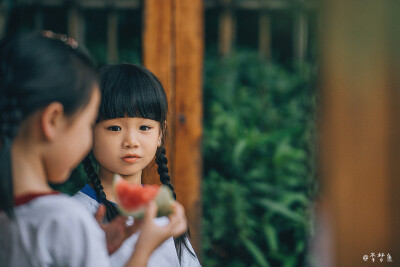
x: 111, y: 210
x: 162, y: 170
x: 165, y: 179
x: 10, y: 120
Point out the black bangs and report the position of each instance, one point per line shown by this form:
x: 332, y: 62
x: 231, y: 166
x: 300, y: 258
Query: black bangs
x: 131, y: 91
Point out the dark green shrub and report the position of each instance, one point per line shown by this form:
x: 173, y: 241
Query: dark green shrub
x: 259, y: 177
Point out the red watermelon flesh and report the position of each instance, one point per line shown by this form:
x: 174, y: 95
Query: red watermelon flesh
x: 131, y: 198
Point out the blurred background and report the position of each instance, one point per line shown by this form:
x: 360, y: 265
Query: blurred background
x: 254, y: 181
x: 283, y: 128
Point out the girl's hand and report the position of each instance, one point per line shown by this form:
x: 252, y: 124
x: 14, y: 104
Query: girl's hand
x: 153, y: 235
x: 116, y: 231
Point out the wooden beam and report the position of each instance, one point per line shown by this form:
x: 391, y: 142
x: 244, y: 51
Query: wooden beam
x: 112, y: 35
x: 227, y: 30
x: 187, y: 162
x: 264, y: 35
x: 4, y: 13
x: 94, y: 4
x: 75, y: 23
x: 361, y: 130
x: 263, y: 4
x: 158, y: 45
x: 173, y: 50
x: 39, y: 18
x: 300, y: 35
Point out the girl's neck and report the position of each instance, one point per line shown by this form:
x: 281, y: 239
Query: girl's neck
x: 106, y: 178
x: 29, y: 175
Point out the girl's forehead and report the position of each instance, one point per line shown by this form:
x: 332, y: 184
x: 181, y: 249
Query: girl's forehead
x: 129, y: 120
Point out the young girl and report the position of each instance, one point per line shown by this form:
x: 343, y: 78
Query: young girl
x: 129, y: 133
x: 49, y: 101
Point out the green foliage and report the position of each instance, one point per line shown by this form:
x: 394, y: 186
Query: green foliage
x: 259, y: 174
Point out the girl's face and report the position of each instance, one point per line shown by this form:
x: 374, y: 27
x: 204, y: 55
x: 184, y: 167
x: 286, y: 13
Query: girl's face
x: 73, y: 142
x: 125, y: 145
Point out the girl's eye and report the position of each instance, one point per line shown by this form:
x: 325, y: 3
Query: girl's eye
x: 144, y: 128
x: 114, y: 128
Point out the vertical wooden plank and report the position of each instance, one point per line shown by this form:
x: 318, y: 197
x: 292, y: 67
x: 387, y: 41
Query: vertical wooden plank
x: 264, y: 35
x: 300, y: 35
x: 4, y: 13
x: 158, y: 58
x: 112, y: 35
x: 173, y: 50
x: 360, y: 131
x: 227, y: 28
x: 38, y: 17
x: 188, y: 107
x: 75, y: 23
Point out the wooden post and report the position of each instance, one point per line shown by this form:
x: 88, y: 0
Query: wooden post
x: 300, y: 35
x: 76, y: 23
x: 4, y: 13
x: 173, y: 50
x: 158, y: 58
x: 188, y: 110
x: 38, y: 17
x: 227, y: 28
x: 112, y: 35
x: 264, y: 35
x: 360, y: 144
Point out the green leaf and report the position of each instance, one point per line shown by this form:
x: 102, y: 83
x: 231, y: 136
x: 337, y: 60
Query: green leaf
x: 271, y: 237
x: 282, y: 210
x: 257, y: 254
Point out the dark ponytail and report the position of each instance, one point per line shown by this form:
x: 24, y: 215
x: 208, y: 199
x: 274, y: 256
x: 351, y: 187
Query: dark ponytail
x: 111, y: 210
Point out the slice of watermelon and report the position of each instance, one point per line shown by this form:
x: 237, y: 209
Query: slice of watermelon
x: 132, y: 198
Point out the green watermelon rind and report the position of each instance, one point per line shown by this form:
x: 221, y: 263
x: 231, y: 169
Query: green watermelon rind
x: 164, y: 200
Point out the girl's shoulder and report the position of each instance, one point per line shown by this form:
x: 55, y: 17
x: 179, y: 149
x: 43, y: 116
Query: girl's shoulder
x: 51, y: 205
x: 52, y: 230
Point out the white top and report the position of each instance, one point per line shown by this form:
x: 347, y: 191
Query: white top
x: 52, y: 230
x: 164, y: 255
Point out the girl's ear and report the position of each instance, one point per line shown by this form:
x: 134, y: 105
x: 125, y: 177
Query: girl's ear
x: 159, y: 139
x: 50, y: 119
x: 160, y: 135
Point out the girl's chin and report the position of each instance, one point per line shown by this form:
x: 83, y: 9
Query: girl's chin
x: 60, y: 177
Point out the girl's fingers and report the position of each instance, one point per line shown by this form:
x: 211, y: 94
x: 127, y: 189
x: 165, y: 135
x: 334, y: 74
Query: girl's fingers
x: 178, y: 223
x: 151, y: 211
x: 134, y: 227
x: 100, y: 213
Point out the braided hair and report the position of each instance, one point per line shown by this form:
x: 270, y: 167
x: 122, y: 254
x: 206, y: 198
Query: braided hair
x: 111, y: 210
x: 133, y: 91
x: 162, y: 169
x: 37, y: 69
x: 10, y: 120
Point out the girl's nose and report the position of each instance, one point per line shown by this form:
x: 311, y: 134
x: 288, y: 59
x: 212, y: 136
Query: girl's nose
x: 130, y: 141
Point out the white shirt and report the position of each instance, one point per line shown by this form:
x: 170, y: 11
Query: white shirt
x: 52, y: 230
x: 164, y: 255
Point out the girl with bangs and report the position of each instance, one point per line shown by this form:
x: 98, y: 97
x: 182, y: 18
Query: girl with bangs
x: 49, y: 99
x: 129, y: 132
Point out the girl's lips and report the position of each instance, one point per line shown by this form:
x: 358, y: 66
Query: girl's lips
x: 130, y: 159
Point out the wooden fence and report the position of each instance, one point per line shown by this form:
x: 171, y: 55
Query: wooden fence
x: 227, y: 21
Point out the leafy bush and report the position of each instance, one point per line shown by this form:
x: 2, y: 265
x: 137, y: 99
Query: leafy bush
x: 259, y: 175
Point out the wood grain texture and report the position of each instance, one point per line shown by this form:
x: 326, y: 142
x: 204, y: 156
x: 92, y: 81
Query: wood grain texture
x: 158, y: 48
x: 173, y: 50
x: 360, y: 131
x: 187, y: 162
